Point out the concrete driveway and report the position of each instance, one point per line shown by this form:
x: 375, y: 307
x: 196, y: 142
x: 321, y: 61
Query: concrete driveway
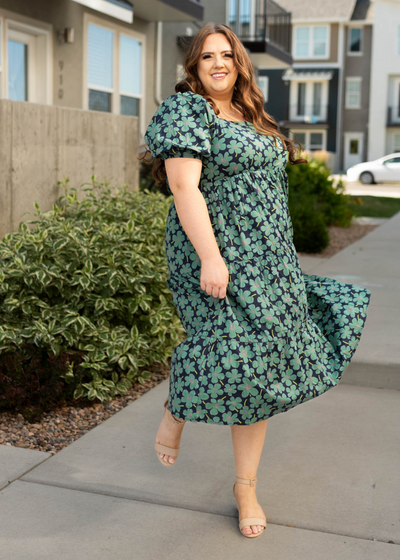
x: 390, y: 190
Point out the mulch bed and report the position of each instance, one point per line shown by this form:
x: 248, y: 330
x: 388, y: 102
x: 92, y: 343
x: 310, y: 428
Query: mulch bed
x: 60, y: 427
x: 340, y: 238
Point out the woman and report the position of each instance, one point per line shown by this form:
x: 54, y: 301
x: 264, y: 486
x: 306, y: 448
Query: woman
x: 261, y: 336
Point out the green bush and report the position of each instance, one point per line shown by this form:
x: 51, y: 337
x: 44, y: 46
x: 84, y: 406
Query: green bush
x: 310, y: 233
x: 315, y: 204
x: 87, y: 283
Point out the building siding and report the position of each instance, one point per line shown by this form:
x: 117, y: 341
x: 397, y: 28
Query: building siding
x: 356, y: 120
x: 278, y: 96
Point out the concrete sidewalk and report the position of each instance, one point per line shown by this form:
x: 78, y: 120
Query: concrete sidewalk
x: 329, y: 481
x: 374, y: 262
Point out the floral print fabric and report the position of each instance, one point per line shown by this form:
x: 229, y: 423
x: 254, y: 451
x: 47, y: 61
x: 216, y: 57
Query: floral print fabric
x: 279, y: 337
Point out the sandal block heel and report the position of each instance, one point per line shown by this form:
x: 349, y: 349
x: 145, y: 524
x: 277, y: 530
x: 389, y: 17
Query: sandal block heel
x: 248, y: 521
x: 171, y: 451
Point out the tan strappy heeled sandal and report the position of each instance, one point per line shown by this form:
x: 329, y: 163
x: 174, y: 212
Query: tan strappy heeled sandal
x: 171, y: 451
x: 250, y: 520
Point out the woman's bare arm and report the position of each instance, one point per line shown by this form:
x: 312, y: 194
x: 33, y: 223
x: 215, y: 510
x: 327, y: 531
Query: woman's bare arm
x: 183, y: 178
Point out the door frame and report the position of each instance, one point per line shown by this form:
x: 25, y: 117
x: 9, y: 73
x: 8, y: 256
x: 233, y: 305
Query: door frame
x: 40, y: 76
x: 347, y: 136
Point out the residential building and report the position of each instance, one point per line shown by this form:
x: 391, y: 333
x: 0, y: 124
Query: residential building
x: 309, y: 97
x: 79, y: 82
x: 384, y: 109
x: 342, y: 92
x: 86, y: 54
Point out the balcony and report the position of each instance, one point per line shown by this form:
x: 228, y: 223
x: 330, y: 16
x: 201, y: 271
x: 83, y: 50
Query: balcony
x: 393, y: 115
x: 315, y: 114
x: 262, y: 26
x: 267, y: 29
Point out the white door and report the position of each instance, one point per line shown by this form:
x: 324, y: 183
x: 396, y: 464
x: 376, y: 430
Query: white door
x: 353, y: 149
x: 21, y: 78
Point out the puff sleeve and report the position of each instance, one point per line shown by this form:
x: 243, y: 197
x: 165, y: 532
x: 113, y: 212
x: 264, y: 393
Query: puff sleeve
x: 182, y: 126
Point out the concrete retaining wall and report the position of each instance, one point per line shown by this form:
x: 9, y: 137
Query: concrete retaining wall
x: 41, y: 145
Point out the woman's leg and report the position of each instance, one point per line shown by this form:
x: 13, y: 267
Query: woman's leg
x: 248, y: 443
x: 169, y: 433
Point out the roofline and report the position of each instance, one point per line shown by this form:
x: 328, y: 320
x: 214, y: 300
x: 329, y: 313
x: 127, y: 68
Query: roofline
x: 279, y: 6
x: 332, y: 19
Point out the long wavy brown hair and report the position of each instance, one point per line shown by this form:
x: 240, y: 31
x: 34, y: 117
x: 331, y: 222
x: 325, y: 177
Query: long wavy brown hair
x: 247, y: 96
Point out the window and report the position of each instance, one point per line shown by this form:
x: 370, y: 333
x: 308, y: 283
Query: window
x: 394, y: 101
x: 130, y: 75
x: 308, y: 100
x: 317, y: 98
x: 240, y: 16
x: 355, y: 36
x: 311, y: 41
x: 353, y: 93
x: 320, y: 45
x: 316, y: 141
x: 17, y: 70
x: 397, y: 106
x: 232, y: 13
x: 100, y: 67
x: 398, y: 100
x: 301, y: 98
x: 310, y: 139
x: 114, y: 70
x: 302, y: 42
x: 263, y: 85
x: 353, y: 148
x: 396, y: 143
x: 300, y: 137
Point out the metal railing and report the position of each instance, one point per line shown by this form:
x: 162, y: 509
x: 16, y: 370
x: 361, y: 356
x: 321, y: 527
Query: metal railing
x: 268, y: 22
x: 312, y: 114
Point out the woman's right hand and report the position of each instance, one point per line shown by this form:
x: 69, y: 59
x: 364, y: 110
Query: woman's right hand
x: 214, y: 276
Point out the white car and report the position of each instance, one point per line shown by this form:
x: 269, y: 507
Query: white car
x: 386, y: 168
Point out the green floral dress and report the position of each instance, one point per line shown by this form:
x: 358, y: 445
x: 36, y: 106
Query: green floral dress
x: 280, y: 337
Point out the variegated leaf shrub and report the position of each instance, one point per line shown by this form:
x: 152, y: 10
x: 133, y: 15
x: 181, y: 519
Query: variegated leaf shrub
x: 90, y: 276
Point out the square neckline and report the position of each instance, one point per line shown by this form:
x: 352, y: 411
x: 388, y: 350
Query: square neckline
x: 226, y: 120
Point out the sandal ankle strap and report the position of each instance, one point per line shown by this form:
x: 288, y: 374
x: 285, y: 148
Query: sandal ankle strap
x: 251, y: 481
x: 174, y: 419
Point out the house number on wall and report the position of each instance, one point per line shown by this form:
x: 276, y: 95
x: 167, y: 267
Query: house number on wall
x: 60, y: 90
